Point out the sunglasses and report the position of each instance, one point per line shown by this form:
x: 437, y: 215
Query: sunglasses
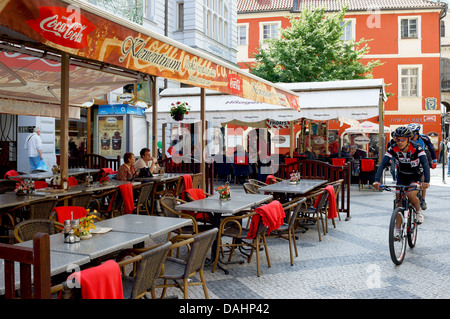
x: 400, y: 139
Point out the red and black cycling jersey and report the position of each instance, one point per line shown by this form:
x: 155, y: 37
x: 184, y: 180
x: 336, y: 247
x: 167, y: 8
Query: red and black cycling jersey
x: 413, y: 162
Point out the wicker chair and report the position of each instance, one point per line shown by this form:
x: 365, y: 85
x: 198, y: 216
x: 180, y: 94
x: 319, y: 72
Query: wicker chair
x: 40, y: 209
x: 251, y: 188
x: 145, y: 191
x: 315, y: 212
x: 286, y: 231
x: 143, y: 279
x: 257, y: 182
x: 26, y: 230
x: 337, y: 188
x: 168, y: 204
x: 231, y: 227
x: 82, y: 200
x: 108, y: 204
x: 178, y: 269
x: 196, y: 180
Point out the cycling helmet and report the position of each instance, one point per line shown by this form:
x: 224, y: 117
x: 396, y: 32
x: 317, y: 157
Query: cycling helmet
x: 403, y: 131
x: 414, y: 127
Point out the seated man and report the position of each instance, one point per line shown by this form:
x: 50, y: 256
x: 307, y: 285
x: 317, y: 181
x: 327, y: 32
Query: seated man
x: 146, y: 160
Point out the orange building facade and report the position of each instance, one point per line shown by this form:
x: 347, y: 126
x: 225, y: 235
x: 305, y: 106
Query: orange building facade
x: 404, y: 37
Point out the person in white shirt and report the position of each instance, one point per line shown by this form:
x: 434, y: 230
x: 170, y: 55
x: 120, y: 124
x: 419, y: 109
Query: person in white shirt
x: 146, y: 160
x: 33, y: 144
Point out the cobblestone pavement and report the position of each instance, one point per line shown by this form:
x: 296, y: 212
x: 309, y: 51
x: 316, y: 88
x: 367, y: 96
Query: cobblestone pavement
x: 352, y: 261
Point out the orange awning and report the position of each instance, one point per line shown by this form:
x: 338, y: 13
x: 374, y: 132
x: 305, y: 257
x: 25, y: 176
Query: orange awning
x: 85, y: 32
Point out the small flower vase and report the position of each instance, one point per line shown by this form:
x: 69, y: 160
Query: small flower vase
x: 293, y: 182
x: 178, y: 117
x: 105, y: 183
x: 224, y: 198
x: 85, y: 237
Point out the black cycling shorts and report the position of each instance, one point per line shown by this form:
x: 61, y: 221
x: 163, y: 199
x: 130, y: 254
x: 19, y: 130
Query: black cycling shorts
x: 410, y: 179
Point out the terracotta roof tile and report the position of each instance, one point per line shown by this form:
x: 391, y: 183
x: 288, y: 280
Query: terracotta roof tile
x: 331, y: 5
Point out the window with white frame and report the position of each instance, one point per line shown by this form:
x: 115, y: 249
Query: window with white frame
x: 150, y: 10
x: 215, y: 13
x: 180, y: 15
x: 242, y: 35
x: 409, y: 81
x: 409, y: 28
x: 269, y: 31
x: 347, y: 27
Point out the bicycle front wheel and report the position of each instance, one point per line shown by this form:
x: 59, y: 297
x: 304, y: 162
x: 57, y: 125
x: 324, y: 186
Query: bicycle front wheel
x: 397, y: 236
x: 412, y: 227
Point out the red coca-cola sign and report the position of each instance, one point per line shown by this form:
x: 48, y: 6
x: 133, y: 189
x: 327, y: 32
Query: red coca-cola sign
x: 235, y: 83
x: 63, y: 26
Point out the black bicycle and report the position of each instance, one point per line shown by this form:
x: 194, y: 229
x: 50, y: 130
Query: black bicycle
x: 403, y: 225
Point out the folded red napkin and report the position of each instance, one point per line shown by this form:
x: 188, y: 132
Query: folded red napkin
x: 187, y: 184
x: 272, y: 216
x: 64, y: 212
x: 101, y: 282
x: 332, y: 209
x: 126, y: 190
x: 270, y: 179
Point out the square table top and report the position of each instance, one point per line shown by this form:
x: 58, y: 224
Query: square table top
x: 214, y: 205
x: 49, y: 174
x: 10, y: 199
x: 153, y: 226
x: 160, y: 178
x: 303, y: 187
x: 99, y: 245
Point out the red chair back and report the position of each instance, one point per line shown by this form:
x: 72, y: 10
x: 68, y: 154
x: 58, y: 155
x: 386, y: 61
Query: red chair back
x: 367, y: 165
x: 11, y: 173
x: 241, y: 160
x: 72, y: 181
x: 40, y: 184
x: 338, y: 161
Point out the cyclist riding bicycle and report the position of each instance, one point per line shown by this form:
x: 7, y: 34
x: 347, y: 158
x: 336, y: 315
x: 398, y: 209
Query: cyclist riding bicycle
x: 411, y: 162
x: 428, y: 146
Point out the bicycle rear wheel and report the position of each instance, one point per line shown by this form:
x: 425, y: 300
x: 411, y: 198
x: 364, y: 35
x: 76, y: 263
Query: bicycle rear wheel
x: 412, y: 227
x: 397, y: 239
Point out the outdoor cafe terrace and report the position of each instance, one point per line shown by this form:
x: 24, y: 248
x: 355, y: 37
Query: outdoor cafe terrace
x: 141, y: 224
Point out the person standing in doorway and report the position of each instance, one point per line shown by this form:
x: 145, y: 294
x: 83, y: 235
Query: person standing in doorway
x: 33, y: 144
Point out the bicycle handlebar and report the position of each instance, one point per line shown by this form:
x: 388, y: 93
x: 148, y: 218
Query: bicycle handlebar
x: 388, y: 187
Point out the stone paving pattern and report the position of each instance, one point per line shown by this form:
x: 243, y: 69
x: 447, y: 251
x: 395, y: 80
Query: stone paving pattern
x: 352, y: 261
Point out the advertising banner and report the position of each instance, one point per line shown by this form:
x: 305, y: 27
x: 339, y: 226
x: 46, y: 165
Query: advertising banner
x: 110, y: 135
x: 67, y: 27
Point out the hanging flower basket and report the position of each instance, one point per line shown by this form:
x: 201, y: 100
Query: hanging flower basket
x: 178, y: 110
x: 178, y: 117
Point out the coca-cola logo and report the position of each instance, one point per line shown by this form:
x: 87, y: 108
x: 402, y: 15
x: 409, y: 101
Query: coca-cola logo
x: 234, y: 83
x: 63, y: 26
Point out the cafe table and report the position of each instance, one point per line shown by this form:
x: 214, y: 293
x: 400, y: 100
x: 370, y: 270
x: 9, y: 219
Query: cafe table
x: 301, y: 188
x: 153, y: 226
x: 217, y: 208
x: 10, y: 199
x: 95, y: 247
x: 160, y: 177
x: 59, y: 263
x: 49, y: 174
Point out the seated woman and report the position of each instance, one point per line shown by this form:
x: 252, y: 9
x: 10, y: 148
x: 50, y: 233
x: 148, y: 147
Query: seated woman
x: 127, y: 170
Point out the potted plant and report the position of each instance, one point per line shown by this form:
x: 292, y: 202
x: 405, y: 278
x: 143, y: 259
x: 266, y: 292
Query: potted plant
x: 224, y: 192
x: 104, y: 179
x: 178, y: 110
x: 294, y: 179
x: 86, y: 224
